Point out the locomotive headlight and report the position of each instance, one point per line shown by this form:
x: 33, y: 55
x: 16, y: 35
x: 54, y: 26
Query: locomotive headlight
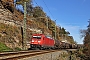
x: 32, y: 40
x: 39, y: 41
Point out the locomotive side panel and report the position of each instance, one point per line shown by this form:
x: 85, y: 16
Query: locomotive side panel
x: 48, y: 42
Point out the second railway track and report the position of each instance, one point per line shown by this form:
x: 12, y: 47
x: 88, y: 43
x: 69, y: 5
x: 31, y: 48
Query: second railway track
x: 22, y: 54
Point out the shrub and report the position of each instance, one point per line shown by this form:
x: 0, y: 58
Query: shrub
x: 17, y: 49
x: 3, y: 48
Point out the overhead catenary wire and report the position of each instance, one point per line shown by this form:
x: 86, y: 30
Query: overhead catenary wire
x: 49, y: 12
x: 51, y: 15
x: 48, y: 8
x: 36, y: 3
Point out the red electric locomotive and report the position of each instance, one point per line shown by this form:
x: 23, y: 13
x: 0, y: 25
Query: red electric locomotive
x: 41, y: 41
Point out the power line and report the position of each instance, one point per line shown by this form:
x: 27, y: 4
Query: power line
x: 47, y: 8
x: 36, y: 3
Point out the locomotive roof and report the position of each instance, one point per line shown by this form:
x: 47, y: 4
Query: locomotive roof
x: 48, y: 36
x: 38, y: 34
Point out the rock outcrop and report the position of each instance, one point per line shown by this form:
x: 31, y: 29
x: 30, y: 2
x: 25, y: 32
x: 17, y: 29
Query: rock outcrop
x: 11, y: 33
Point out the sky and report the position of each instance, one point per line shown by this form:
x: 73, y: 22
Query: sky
x: 73, y: 15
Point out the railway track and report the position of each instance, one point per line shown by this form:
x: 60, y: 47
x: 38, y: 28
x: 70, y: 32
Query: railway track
x: 22, y: 54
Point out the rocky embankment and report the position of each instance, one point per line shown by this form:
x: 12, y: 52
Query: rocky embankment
x: 10, y: 27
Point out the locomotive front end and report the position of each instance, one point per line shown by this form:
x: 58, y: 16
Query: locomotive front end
x: 35, y: 42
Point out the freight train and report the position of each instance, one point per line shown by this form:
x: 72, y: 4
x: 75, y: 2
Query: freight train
x: 41, y: 41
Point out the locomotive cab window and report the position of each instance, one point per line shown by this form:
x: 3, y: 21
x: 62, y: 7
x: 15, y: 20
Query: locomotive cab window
x: 37, y: 37
x: 48, y: 37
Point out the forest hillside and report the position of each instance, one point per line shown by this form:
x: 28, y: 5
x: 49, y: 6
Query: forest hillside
x: 11, y: 24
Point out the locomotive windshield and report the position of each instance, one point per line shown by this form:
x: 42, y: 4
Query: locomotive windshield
x: 49, y: 37
x: 37, y: 37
